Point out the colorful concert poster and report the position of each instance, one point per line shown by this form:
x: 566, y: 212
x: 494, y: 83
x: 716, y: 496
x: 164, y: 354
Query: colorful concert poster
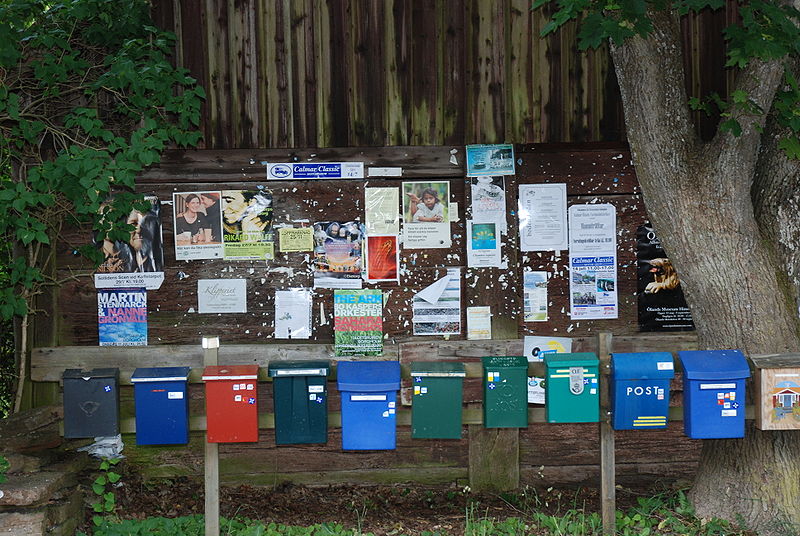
x: 382, y: 258
x: 247, y: 225
x: 358, y: 322
x: 122, y: 316
x: 338, y: 250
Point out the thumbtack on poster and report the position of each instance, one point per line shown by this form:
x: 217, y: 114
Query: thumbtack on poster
x: 385, y: 172
x: 210, y: 342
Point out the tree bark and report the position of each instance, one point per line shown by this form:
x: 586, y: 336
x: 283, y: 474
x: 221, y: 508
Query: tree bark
x: 698, y: 197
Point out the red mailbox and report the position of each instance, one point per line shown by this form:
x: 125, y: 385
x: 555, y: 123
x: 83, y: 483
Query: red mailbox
x: 231, y: 403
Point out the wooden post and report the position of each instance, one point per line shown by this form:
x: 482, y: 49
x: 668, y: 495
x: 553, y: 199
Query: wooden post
x: 210, y: 353
x: 608, y: 497
x: 493, y: 458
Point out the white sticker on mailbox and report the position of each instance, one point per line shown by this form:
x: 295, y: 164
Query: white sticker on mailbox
x: 665, y: 365
x: 392, y: 404
x: 386, y: 413
x: 367, y: 398
x: 717, y: 386
x: 175, y: 395
x: 728, y: 413
x: 249, y: 386
x: 235, y: 386
x: 237, y: 398
x: 316, y: 388
x: 312, y: 397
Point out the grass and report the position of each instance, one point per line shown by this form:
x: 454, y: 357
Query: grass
x: 664, y: 514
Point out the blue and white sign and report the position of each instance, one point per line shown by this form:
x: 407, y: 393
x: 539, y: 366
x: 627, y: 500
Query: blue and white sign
x: 490, y: 160
x: 593, y: 261
x: 315, y: 170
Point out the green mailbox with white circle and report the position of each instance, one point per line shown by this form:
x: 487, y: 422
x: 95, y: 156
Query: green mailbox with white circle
x: 572, y: 389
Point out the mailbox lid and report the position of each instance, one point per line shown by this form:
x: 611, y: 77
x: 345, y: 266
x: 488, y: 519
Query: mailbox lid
x: 642, y: 366
x: 505, y: 362
x: 438, y: 369
x: 585, y: 359
x: 775, y: 361
x: 160, y: 374
x: 78, y: 374
x: 279, y: 369
x: 230, y: 372
x: 368, y: 376
x: 714, y: 364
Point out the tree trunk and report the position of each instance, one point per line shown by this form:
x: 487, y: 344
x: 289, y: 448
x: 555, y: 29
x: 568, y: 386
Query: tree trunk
x: 698, y: 197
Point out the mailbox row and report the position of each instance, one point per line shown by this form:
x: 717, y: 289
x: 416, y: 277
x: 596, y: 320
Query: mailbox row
x: 714, y: 395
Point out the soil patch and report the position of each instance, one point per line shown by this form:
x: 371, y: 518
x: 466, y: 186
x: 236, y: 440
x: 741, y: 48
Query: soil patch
x: 382, y: 510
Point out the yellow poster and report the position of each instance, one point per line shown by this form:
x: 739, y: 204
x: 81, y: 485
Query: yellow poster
x: 296, y: 239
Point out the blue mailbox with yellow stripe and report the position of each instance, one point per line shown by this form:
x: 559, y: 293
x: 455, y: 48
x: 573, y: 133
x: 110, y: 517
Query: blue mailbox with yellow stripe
x: 640, y: 390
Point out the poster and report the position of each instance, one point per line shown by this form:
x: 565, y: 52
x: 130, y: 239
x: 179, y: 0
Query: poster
x: 383, y: 258
x: 293, y: 313
x: 138, y: 261
x: 437, y: 307
x: 426, y: 215
x: 593, y: 262
x: 358, y: 322
x: 122, y: 317
x: 222, y: 295
x: 542, y: 217
x: 535, y: 298
x: 198, y: 225
x: 662, y: 306
x: 315, y: 170
x: 483, y: 245
x: 381, y: 211
x: 479, y: 323
x: 489, y: 201
x: 247, y: 222
x: 292, y: 239
x: 338, y: 251
x: 535, y: 349
x: 490, y: 160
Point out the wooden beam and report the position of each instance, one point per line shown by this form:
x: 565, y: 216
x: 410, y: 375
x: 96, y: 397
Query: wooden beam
x: 608, y: 499
x: 211, y: 358
x: 493, y: 458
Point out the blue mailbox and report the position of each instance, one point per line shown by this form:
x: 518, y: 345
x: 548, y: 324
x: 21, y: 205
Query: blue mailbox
x: 640, y: 390
x: 713, y: 393
x: 369, y: 393
x: 162, y: 406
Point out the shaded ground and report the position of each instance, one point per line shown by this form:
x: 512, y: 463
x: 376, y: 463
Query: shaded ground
x: 383, y: 510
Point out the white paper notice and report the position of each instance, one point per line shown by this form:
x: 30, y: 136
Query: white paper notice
x: 293, y: 313
x: 535, y: 390
x: 483, y: 245
x: 437, y: 308
x: 537, y: 346
x: 222, y: 296
x: 489, y: 201
x: 479, y: 323
x: 382, y: 212
x: 593, y: 262
x: 535, y: 299
x: 542, y: 217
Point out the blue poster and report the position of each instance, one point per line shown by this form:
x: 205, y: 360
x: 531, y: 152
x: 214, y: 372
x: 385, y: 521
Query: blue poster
x: 122, y: 316
x: 490, y: 160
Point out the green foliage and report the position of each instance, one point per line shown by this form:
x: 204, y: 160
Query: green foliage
x: 766, y: 31
x: 103, y: 488
x: 4, y: 467
x: 88, y: 99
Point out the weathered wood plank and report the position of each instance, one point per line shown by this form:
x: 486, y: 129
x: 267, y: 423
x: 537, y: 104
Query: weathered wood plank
x: 493, y: 459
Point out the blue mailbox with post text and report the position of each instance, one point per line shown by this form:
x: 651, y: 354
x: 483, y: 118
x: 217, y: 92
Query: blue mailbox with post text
x: 640, y: 390
x: 713, y: 393
x: 369, y: 403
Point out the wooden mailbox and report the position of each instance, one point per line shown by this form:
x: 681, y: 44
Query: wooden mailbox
x: 777, y: 391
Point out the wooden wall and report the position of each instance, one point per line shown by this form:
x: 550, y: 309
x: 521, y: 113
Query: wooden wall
x: 593, y: 174
x: 347, y: 73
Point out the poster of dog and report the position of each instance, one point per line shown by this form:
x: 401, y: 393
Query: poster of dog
x: 662, y: 306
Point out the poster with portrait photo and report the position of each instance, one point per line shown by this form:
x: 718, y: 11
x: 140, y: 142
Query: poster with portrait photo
x: 426, y: 215
x: 338, y: 254
x: 661, y: 304
x: 198, y: 225
x: 247, y: 225
x: 139, y: 260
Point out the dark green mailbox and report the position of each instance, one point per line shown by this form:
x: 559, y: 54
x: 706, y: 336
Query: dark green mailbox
x: 505, y: 392
x: 300, y: 395
x: 572, y: 391
x: 436, y: 399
